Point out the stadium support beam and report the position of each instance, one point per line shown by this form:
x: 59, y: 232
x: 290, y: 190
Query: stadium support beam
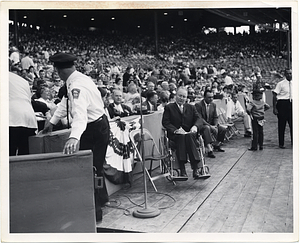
x: 252, y: 29
x: 288, y: 33
x: 156, y: 33
x: 16, y: 38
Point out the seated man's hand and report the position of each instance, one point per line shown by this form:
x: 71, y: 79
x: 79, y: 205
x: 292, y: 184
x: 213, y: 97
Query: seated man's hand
x: 180, y: 131
x: 240, y: 113
x: 214, y: 128
x: 194, y: 129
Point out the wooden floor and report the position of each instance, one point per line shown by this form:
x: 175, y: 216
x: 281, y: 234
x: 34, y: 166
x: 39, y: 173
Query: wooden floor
x: 248, y: 192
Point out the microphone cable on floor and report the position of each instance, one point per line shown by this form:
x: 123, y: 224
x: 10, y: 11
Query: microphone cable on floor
x: 127, y: 211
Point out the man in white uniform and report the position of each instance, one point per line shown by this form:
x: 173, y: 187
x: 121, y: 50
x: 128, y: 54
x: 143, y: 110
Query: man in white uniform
x: 89, y: 122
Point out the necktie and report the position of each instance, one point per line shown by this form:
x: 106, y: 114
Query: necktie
x: 66, y: 95
x: 207, y: 112
x: 290, y: 95
x: 181, y: 109
x: 68, y: 126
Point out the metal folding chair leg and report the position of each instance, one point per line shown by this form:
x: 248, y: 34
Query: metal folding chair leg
x: 204, y: 170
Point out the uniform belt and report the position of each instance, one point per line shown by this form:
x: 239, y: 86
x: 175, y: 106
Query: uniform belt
x: 99, y: 119
x: 285, y: 100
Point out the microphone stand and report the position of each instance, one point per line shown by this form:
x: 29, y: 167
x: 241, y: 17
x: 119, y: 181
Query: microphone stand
x: 145, y: 212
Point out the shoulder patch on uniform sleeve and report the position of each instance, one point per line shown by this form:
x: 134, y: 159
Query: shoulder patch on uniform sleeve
x: 75, y: 93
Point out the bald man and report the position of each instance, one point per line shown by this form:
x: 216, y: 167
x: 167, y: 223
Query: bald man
x: 117, y: 108
x: 182, y: 122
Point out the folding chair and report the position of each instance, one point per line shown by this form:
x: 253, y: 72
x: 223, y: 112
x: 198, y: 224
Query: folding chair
x: 231, y: 128
x: 151, y: 153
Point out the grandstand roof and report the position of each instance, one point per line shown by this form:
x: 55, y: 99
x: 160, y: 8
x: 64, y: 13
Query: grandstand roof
x: 183, y: 18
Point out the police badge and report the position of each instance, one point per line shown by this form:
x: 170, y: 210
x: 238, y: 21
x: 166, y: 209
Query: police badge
x: 75, y: 93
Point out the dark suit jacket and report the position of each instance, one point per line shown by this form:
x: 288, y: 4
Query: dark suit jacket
x: 145, y: 92
x: 112, y: 112
x: 146, y: 103
x: 213, y: 117
x: 174, y: 119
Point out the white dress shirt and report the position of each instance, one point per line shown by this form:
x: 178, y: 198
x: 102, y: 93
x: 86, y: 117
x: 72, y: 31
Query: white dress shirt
x: 234, y: 108
x: 26, y: 62
x: 151, y: 106
x: 228, y: 80
x: 15, y: 57
x: 284, y: 90
x: 21, y: 113
x: 119, y: 108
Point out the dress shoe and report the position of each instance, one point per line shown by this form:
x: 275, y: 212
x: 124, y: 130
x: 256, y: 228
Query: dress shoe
x: 218, y: 149
x: 261, y: 147
x: 211, y: 155
x: 183, y: 172
x: 252, y: 149
x: 247, y: 134
x: 282, y: 146
x: 196, y: 174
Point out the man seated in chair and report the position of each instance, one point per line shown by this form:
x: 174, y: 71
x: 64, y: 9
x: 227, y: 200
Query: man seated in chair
x: 207, y: 110
x: 117, y: 108
x: 182, y: 123
x: 235, y: 112
x: 151, y: 101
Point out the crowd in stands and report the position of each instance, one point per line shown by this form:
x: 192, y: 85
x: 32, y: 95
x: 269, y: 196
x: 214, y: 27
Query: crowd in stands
x: 180, y: 63
x: 172, y: 46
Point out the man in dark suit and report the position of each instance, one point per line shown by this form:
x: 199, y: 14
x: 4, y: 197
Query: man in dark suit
x: 150, y: 87
x: 182, y: 123
x: 151, y: 101
x: 207, y: 109
x: 117, y: 108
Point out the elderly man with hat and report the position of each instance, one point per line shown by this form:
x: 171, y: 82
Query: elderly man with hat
x: 89, y: 122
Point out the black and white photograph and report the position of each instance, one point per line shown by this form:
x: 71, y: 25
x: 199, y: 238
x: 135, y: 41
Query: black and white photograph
x: 178, y: 120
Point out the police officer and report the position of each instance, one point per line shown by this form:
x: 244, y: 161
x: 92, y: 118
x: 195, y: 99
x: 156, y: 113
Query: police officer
x: 89, y: 122
x: 282, y: 106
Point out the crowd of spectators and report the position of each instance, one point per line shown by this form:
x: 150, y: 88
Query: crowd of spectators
x: 180, y: 63
x: 172, y: 46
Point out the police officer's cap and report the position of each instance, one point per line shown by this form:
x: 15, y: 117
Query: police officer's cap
x: 63, y: 60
